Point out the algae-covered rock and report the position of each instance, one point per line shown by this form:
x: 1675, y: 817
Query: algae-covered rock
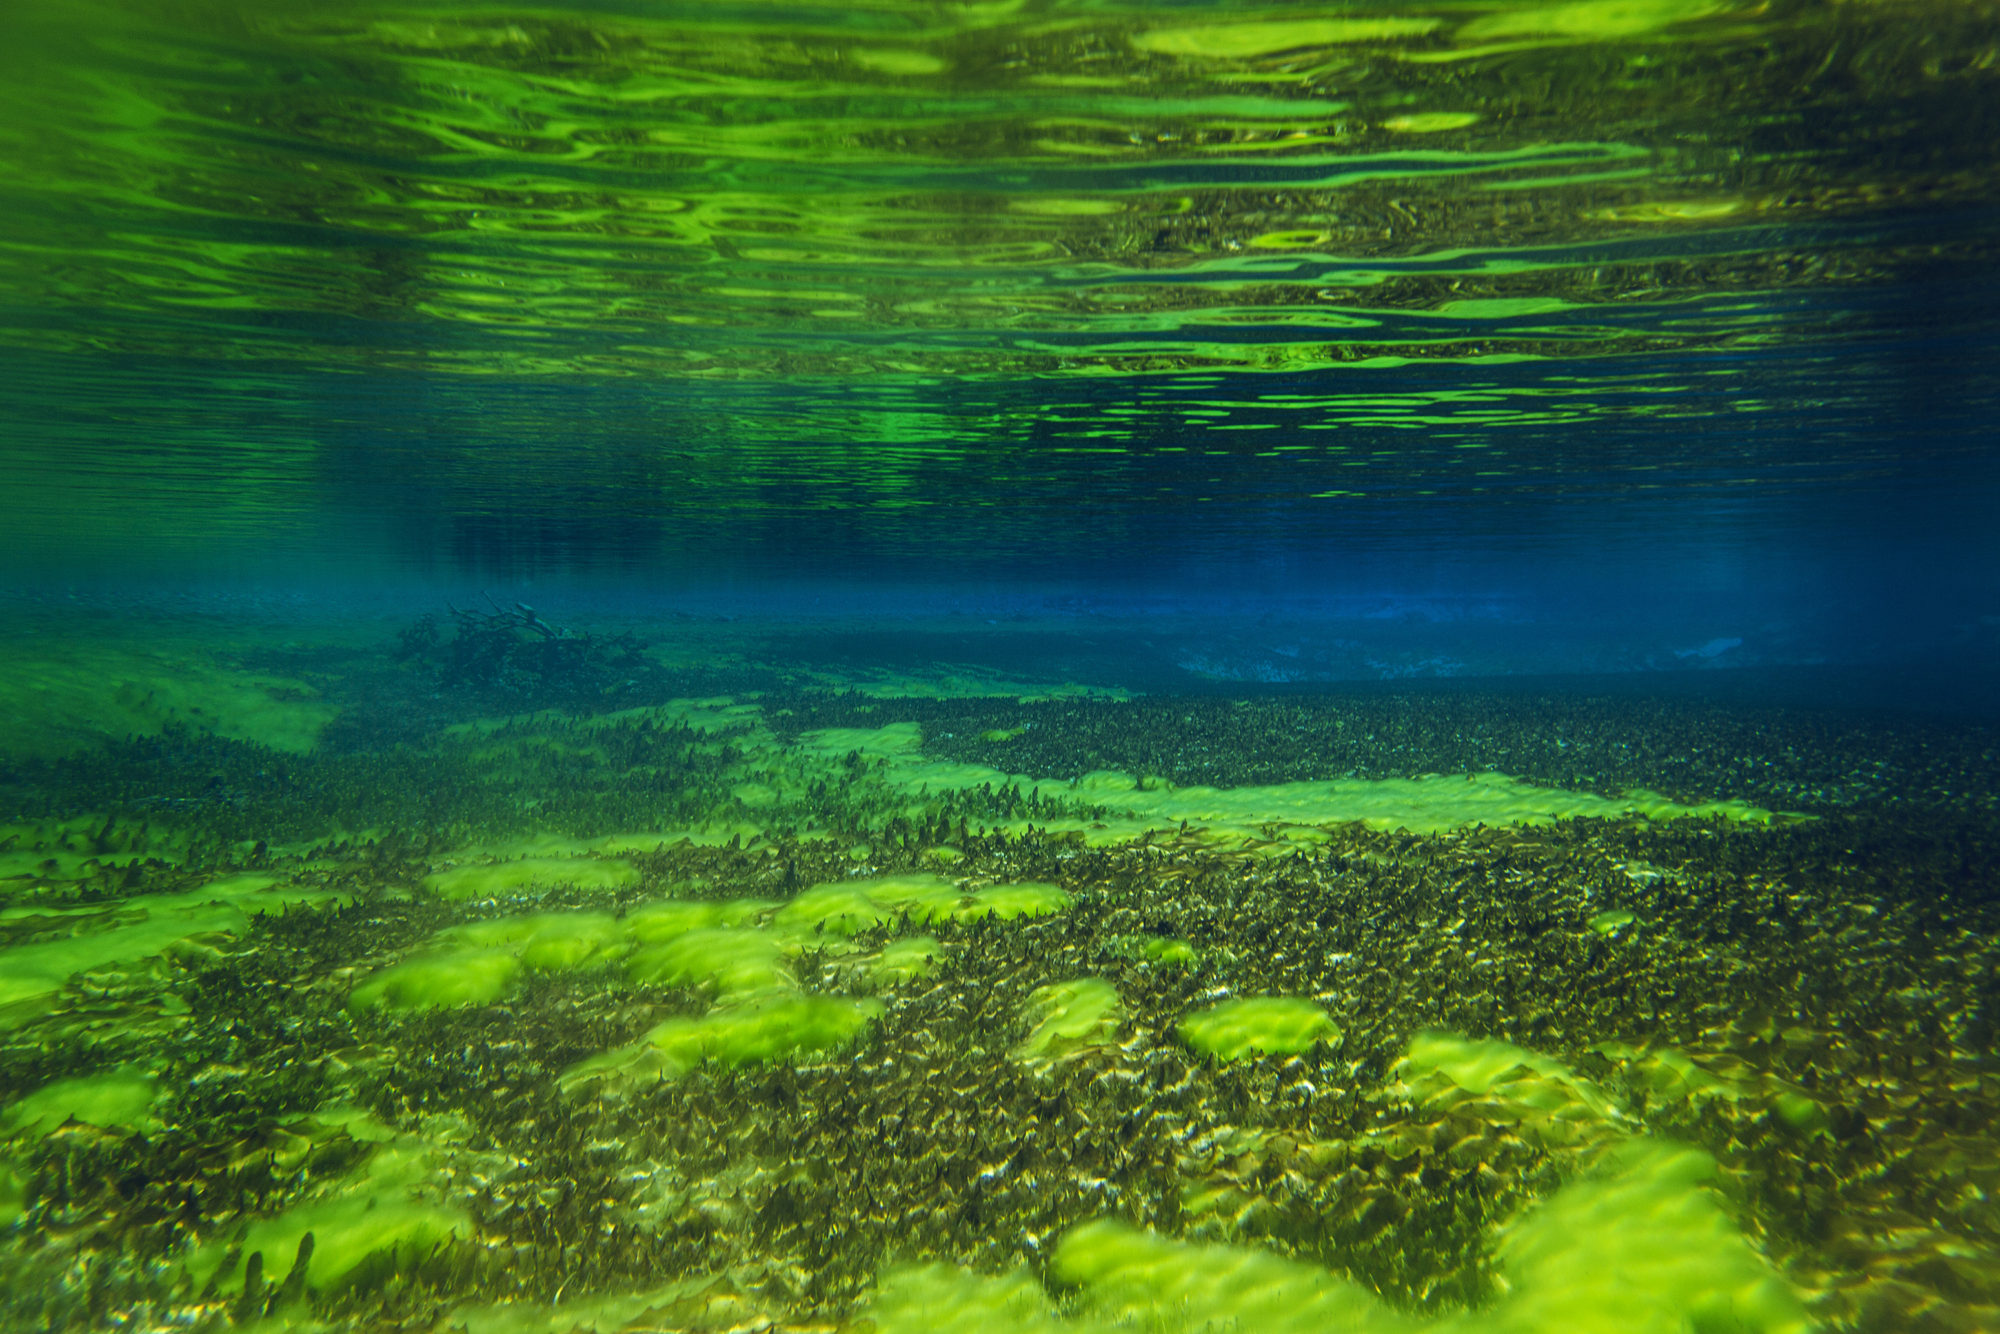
x: 1236, y: 1030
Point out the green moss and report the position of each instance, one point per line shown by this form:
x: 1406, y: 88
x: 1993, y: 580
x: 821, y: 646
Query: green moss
x: 943, y: 1299
x: 734, y: 961
x: 1612, y: 921
x: 84, y: 692
x: 13, y: 1192
x: 1236, y: 1030
x: 657, y: 922
x: 764, y: 1029
x: 840, y: 909
x: 847, y: 907
x: 1484, y: 1066
x: 120, y: 1099
x: 904, y: 960
x: 1645, y: 1248
x: 129, y: 931
x: 1065, y: 1017
x: 600, y: 1313
x: 1163, y: 951
x: 440, y: 981
x: 519, y: 878
x: 364, y: 1229
x: 1024, y: 898
x: 1139, y: 1280
x: 558, y: 942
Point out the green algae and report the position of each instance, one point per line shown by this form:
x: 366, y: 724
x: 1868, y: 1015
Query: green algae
x: 440, y: 981
x: 1612, y: 921
x: 515, y: 879
x: 768, y: 1028
x: 734, y: 961
x: 121, y: 1099
x: 1486, y: 1066
x: 1065, y: 1018
x: 1643, y: 1246
x: 378, y: 1222
x: 1639, y: 1242
x: 1024, y: 898
x: 1237, y: 1030
x: 137, y: 930
x: 905, y: 960
x: 90, y: 690
x: 1133, y: 1279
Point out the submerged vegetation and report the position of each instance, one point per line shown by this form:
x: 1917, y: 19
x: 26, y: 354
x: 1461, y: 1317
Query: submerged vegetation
x: 817, y: 1010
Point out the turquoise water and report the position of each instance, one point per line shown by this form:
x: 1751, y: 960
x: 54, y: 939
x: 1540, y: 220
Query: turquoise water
x: 998, y: 667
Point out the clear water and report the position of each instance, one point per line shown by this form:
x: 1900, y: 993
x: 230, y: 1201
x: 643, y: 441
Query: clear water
x: 667, y: 663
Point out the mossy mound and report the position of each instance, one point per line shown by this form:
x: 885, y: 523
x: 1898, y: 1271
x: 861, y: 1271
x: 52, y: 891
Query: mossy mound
x: 1021, y: 898
x: 1491, y: 1069
x: 848, y: 907
x: 1068, y: 1017
x: 478, y: 963
x: 120, y: 1099
x: 72, y: 940
x: 734, y: 961
x: 904, y: 960
x: 87, y: 693
x: 765, y: 1029
x: 367, y: 1227
x: 1237, y: 1030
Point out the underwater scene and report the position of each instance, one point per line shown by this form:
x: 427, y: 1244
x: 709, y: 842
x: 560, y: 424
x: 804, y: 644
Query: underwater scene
x: 1000, y: 666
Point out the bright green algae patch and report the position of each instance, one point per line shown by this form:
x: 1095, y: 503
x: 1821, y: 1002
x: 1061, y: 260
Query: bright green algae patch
x: 1065, y: 1018
x: 768, y: 1028
x: 68, y: 941
x: 1284, y: 812
x: 512, y: 879
x: 731, y: 947
x: 120, y: 1099
x: 1239, y: 1029
x: 379, y: 1221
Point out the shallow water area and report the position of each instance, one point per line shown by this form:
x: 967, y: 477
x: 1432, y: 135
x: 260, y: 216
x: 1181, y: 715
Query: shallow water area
x: 812, y: 1006
x: 1070, y: 665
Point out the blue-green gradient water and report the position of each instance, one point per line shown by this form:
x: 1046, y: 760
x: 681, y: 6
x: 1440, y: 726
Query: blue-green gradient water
x: 1021, y: 666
